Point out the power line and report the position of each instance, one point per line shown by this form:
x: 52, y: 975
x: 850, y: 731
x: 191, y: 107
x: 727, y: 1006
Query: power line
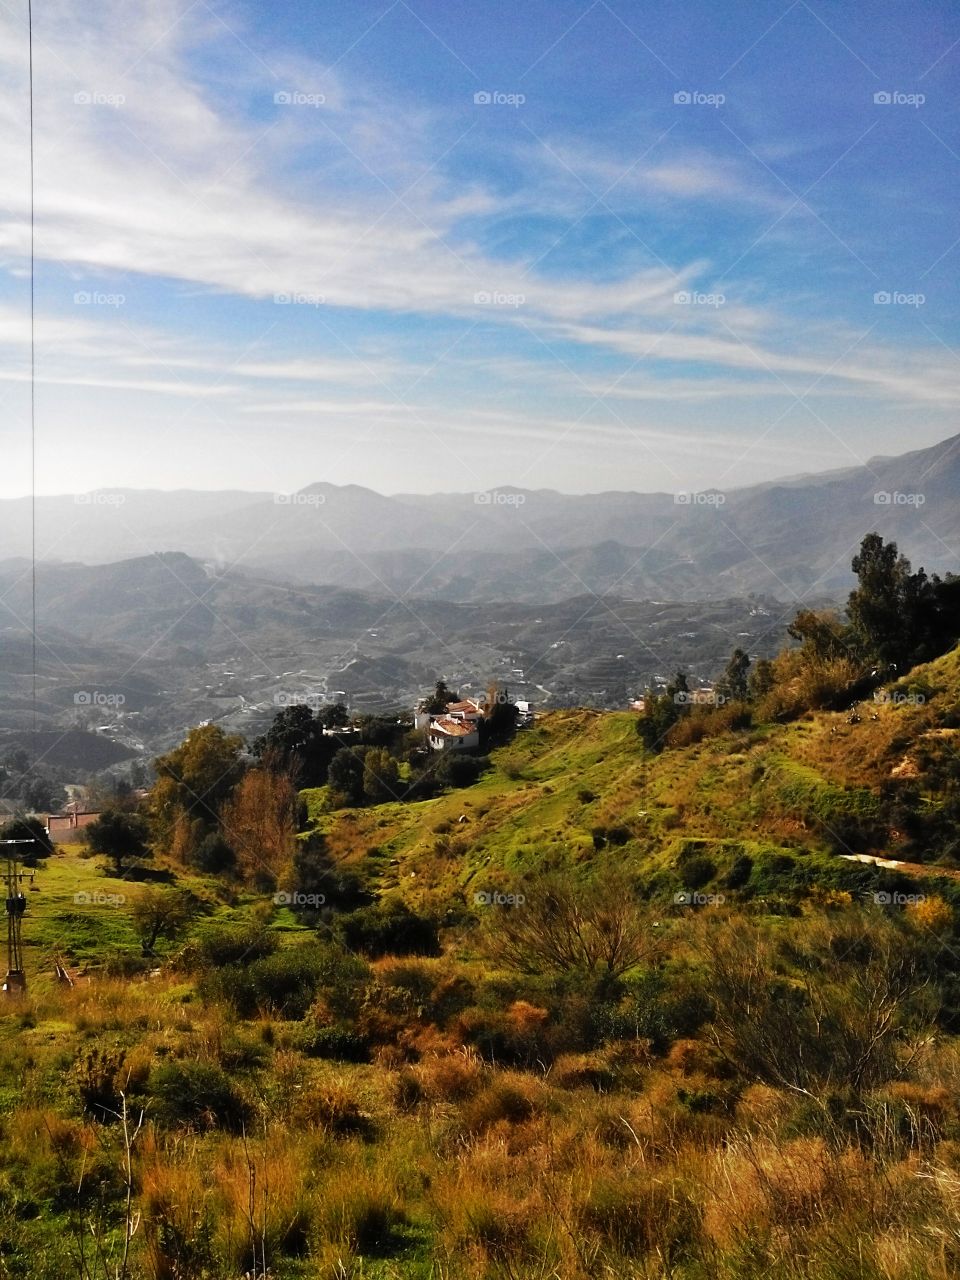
x: 33, y: 385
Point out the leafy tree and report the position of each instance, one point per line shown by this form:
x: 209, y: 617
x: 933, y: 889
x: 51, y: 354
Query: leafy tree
x: 381, y: 776
x: 884, y: 609
x: 295, y: 744
x: 119, y: 836
x: 762, y: 678
x: 28, y: 829
x: 437, y: 703
x: 345, y: 775
x: 732, y: 685
x: 662, y: 711
x: 500, y: 717
x: 334, y: 715
x: 160, y: 913
x: 823, y: 636
x: 193, y: 780
x: 259, y: 823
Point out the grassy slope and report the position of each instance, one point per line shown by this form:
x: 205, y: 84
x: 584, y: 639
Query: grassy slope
x: 772, y: 788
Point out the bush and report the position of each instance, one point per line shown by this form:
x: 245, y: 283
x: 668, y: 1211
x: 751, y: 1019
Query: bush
x: 223, y: 944
x: 697, y: 871
x: 213, y: 855
x: 28, y: 829
x: 389, y: 928
x: 199, y: 1095
x: 455, y: 770
x: 502, y: 1100
x: 341, y: 1043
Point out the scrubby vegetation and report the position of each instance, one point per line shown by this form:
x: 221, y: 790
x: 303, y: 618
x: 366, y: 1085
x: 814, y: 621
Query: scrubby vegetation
x: 591, y: 1010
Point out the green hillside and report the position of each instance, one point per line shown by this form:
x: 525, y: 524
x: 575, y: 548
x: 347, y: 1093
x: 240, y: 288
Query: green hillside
x: 578, y: 791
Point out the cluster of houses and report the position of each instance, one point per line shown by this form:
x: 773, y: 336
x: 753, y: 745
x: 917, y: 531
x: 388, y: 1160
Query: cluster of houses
x: 457, y: 727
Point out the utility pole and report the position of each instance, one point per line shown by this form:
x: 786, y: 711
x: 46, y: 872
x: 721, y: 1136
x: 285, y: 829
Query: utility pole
x: 16, y: 904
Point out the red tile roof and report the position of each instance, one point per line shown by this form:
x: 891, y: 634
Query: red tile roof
x: 454, y: 728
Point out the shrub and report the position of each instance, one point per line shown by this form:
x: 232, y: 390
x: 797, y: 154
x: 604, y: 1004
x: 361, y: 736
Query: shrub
x: 697, y: 871
x: 503, y: 1100
x: 223, y: 944
x: 199, y: 1095
x: 456, y: 770
x: 340, y: 1042
x: 213, y: 855
x: 389, y: 928
x: 97, y: 1078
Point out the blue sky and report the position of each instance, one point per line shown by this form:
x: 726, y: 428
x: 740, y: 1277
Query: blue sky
x: 284, y: 243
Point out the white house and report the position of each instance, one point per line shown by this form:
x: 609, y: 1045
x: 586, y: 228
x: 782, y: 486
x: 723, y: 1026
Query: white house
x: 449, y: 734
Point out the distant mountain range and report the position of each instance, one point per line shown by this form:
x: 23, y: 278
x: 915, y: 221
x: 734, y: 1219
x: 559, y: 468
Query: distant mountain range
x: 784, y: 538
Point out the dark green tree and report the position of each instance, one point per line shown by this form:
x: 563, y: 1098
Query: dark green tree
x: 885, y: 608
x: 120, y: 836
x: 732, y: 685
x: 345, y: 775
x: 436, y: 704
